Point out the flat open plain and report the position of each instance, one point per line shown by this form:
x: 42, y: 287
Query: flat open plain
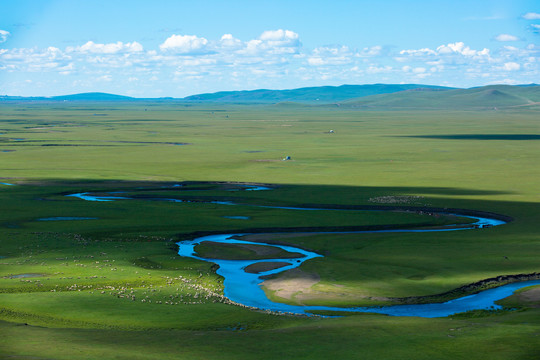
x: 101, y: 279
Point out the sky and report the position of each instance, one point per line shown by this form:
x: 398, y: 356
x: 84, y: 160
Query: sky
x: 178, y: 48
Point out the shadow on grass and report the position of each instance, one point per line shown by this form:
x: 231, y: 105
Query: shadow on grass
x: 517, y: 137
x: 205, y: 204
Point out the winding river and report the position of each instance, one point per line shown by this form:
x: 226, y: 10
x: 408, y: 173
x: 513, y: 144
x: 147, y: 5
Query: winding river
x: 245, y: 288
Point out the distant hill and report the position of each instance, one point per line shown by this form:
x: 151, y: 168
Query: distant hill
x: 93, y: 96
x: 493, y: 96
x: 320, y: 94
x: 376, y: 96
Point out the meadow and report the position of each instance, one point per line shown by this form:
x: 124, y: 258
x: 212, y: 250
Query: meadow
x: 110, y: 284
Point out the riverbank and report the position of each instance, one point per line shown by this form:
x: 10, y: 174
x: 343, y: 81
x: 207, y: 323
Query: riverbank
x: 468, y: 289
x: 243, y: 288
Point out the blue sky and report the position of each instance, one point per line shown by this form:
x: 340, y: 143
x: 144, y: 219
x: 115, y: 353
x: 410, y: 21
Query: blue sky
x: 178, y: 48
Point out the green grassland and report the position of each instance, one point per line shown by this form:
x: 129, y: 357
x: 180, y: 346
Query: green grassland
x: 113, y: 286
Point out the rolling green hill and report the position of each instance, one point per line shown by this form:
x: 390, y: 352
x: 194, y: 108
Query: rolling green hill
x: 320, y: 94
x: 376, y: 96
x: 93, y: 96
x: 486, y: 97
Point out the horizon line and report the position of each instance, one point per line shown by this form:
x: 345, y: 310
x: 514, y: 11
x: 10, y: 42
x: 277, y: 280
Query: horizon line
x: 259, y: 89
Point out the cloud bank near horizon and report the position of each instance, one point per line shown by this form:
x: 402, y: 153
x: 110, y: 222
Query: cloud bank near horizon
x: 196, y: 64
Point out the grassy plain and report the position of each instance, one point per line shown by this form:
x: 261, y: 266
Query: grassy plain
x: 113, y: 287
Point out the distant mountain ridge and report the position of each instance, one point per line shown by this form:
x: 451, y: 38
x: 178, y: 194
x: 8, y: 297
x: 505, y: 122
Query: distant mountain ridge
x: 319, y: 94
x: 375, y: 96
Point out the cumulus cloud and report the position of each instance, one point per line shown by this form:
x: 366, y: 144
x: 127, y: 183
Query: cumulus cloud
x: 531, y: 16
x: 274, y: 42
x: 536, y: 27
x: 449, y: 51
x: 511, y: 66
x: 33, y: 60
x: 506, y: 37
x: 112, y: 48
x: 270, y: 57
x: 198, y: 62
x: 340, y: 55
x: 280, y: 37
x: 460, y: 48
x: 230, y: 42
x: 4, y: 35
x: 330, y: 55
x: 370, y: 51
x: 185, y: 44
x: 68, y: 67
x: 418, y: 52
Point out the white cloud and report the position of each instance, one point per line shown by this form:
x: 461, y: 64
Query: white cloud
x: 400, y: 59
x: 185, y: 44
x: 316, y: 61
x: 273, y: 42
x: 4, y: 35
x: 536, y: 27
x: 510, y: 48
x: 280, y: 37
x: 327, y: 55
x: 424, y: 51
x: 506, y: 37
x: 111, y: 48
x: 105, y: 78
x: 67, y: 69
x: 531, y: 16
x: 511, y: 66
x: 415, y: 70
x: 435, y: 63
x: 267, y: 59
x: 230, y: 42
x: 378, y: 70
x: 448, y: 49
x: 452, y: 53
x: 460, y: 48
x: 198, y: 62
x: 370, y: 52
